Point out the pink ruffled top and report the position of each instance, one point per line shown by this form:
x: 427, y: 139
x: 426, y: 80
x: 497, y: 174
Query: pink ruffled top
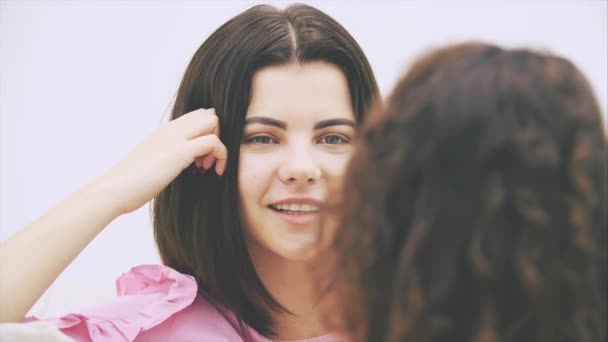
x: 157, y: 303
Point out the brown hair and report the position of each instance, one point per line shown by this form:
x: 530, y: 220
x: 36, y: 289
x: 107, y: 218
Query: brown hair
x: 197, y: 223
x: 476, y: 205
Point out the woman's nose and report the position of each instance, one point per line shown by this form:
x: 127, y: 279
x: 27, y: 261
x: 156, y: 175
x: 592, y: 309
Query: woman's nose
x: 299, y: 166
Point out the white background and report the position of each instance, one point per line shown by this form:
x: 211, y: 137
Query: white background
x: 82, y: 82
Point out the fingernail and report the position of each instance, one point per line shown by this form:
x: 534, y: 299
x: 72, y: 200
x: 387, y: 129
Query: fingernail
x: 199, y: 171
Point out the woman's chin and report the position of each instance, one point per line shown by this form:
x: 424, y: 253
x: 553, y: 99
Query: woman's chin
x: 301, y: 250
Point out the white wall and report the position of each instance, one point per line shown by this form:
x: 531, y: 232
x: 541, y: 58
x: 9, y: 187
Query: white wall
x: 82, y: 82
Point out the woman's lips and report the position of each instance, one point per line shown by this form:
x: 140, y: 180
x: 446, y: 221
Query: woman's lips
x: 297, y: 210
x: 297, y: 218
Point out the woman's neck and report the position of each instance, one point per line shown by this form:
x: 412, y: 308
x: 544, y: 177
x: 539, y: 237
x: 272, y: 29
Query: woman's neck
x: 292, y: 285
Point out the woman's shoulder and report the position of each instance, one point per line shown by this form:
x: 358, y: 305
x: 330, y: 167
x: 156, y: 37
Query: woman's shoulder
x: 153, y: 302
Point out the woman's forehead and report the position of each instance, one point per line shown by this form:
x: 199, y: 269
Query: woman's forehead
x: 317, y: 89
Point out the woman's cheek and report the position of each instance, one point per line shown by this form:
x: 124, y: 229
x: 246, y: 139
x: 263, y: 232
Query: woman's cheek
x: 335, y: 165
x: 254, y: 168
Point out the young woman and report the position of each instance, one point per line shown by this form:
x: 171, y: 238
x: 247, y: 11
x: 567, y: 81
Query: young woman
x: 260, y: 134
x: 476, y: 205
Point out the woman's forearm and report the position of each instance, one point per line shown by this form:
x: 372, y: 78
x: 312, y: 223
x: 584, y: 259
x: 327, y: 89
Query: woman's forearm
x: 32, y: 259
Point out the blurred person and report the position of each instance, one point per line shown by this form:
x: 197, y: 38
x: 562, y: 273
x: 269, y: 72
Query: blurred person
x: 476, y: 205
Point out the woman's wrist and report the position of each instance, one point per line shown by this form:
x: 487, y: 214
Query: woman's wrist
x: 100, y: 194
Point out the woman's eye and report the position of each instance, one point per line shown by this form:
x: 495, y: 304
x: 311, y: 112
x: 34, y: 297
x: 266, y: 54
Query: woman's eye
x: 333, y: 139
x: 261, y: 139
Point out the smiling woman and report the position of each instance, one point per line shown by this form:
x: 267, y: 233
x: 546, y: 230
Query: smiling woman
x: 297, y: 141
x: 284, y: 90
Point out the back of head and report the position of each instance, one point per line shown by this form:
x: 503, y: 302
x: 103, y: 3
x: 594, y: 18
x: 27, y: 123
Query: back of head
x: 197, y: 219
x: 476, y: 209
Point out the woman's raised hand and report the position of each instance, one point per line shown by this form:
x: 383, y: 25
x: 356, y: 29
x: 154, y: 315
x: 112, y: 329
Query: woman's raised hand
x: 61, y: 233
x: 161, y: 157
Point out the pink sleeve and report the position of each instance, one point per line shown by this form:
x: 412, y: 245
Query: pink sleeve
x: 147, y: 296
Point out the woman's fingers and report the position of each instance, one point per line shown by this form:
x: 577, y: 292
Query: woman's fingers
x: 199, y: 124
x: 198, y: 162
x: 212, y: 149
x: 196, y: 123
x: 220, y: 166
x: 208, y: 161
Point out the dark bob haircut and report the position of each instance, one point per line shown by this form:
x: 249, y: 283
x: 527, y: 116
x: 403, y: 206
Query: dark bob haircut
x: 476, y: 205
x: 197, y: 223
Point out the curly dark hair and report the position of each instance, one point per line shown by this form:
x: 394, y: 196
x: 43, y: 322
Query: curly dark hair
x: 476, y: 204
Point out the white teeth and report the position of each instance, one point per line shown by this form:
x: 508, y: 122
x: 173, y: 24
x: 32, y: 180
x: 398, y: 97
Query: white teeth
x: 296, y: 207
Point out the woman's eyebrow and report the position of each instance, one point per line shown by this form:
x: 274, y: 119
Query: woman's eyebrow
x: 262, y: 120
x: 266, y: 121
x: 334, y: 122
